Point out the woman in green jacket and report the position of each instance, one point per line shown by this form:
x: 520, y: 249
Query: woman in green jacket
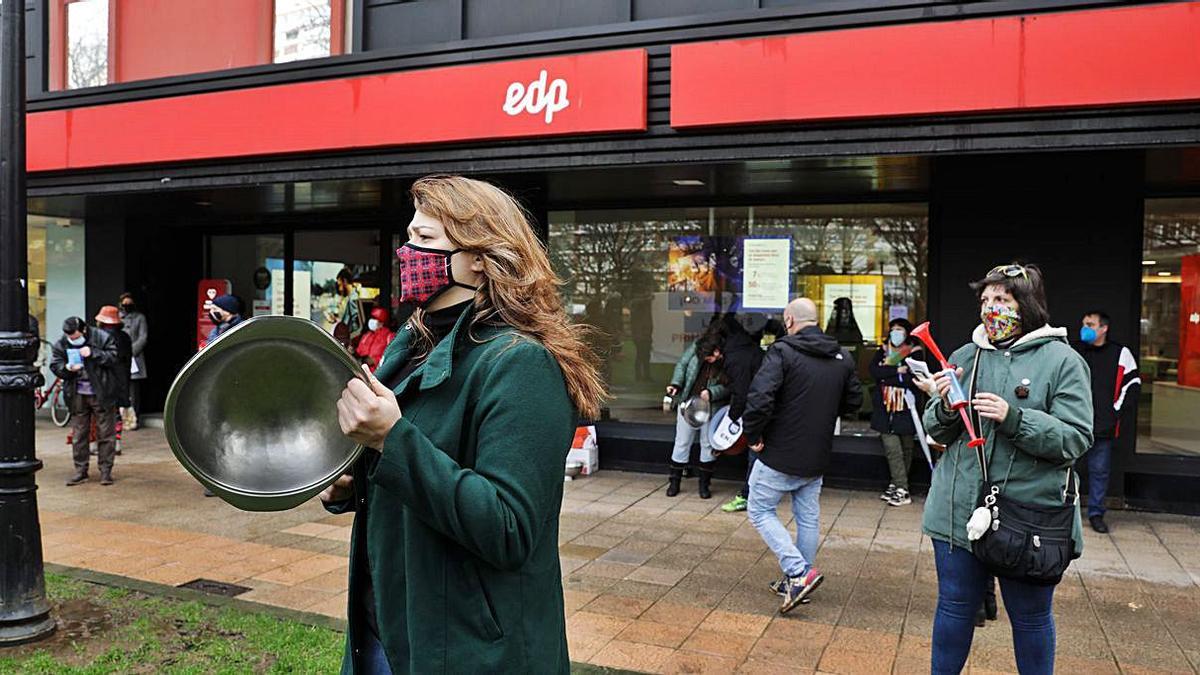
x: 454, y: 556
x: 1032, y: 403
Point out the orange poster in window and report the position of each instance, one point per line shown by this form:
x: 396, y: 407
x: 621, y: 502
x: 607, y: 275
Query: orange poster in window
x: 1189, y: 322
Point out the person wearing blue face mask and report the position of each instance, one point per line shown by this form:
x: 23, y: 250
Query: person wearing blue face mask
x: 1115, y: 388
x: 890, y: 415
x: 86, y: 360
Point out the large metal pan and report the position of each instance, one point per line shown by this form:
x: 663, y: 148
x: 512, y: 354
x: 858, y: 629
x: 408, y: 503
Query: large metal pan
x: 253, y: 416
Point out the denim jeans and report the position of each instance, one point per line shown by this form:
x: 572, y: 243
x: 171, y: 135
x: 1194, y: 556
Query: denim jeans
x: 685, y: 435
x: 767, y: 488
x: 1099, y: 459
x: 373, y: 658
x: 962, y: 580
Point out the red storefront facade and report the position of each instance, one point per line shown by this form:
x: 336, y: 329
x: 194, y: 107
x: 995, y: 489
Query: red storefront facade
x: 990, y: 130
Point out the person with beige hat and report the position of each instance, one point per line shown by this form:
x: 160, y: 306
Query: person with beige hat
x: 109, y: 319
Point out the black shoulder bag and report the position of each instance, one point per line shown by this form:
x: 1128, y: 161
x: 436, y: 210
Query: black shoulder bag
x: 1025, y: 542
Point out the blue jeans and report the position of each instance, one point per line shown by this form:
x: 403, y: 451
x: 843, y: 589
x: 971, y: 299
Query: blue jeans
x: 767, y: 488
x: 1099, y: 459
x: 685, y: 435
x: 961, y: 583
x: 373, y: 658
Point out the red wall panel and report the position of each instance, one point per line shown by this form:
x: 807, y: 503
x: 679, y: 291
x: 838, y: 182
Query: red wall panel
x: 601, y: 92
x: 157, y: 38
x: 1143, y: 54
x: 1189, y: 322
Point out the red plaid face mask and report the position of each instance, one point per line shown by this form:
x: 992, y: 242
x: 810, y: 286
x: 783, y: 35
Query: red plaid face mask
x: 425, y: 273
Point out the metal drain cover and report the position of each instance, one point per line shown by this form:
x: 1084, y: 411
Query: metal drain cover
x: 214, y: 587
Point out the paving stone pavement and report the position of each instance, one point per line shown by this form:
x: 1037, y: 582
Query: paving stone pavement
x: 656, y: 584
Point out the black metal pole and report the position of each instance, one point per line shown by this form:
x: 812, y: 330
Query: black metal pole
x: 24, y: 610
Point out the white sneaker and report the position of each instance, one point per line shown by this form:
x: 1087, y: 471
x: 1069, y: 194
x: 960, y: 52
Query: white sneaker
x: 900, y: 498
x: 887, y: 494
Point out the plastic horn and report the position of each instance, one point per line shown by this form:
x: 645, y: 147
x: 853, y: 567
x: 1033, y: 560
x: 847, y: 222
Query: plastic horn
x: 955, y: 397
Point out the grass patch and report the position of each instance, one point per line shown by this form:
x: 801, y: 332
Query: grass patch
x: 114, y: 630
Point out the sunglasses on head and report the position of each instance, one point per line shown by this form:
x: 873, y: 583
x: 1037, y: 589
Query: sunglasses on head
x: 1009, y: 271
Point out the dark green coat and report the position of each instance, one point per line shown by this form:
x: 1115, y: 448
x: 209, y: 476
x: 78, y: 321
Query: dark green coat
x: 462, y: 531
x: 1032, y: 453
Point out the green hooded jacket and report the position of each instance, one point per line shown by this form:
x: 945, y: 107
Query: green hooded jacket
x: 1032, y: 452
x: 462, y: 526
x: 687, y: 369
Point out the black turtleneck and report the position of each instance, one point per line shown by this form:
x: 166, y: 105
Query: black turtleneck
x: 439, y: 323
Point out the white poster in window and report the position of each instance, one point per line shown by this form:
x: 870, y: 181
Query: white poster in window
x: 301, y: 292
x: 765, y: 267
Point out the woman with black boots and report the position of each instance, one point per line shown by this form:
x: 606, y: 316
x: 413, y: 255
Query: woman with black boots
x: 698, y: 375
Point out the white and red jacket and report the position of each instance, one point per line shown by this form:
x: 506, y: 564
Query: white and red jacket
x: 1115, y: 384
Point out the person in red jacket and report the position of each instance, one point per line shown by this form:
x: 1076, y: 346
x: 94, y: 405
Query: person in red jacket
x: 379, y: 334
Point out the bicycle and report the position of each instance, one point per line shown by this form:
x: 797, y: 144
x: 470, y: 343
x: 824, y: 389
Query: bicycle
x: 60, y: 412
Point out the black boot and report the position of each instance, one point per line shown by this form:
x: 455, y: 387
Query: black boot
x: 706, y: 480
x: 989, y: 600
x: 81, y: 476
x: 987, y: 610
x: 673, y: 479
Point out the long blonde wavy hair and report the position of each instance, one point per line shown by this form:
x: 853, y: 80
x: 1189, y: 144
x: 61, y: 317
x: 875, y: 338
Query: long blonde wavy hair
x: 519, y: 288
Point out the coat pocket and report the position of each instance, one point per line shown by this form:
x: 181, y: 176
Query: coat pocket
x: 477, y: 604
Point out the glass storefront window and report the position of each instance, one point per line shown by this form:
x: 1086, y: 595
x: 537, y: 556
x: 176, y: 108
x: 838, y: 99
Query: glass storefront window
x: 340, y: 271
x: 87, y: 43
x: 253, y: 264
x: 1169, y: 362
x: 653, y: 279
x: 56, y: 282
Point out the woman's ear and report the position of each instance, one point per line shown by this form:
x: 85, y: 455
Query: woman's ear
x: 477, y: 264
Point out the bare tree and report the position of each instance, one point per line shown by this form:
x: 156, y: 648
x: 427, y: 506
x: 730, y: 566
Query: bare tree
x: 307, y: 29
x: 87, y: 64
x: 908, y: 239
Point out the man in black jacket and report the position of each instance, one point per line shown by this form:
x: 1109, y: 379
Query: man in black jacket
x: 805, y: 383
x: 1115, y: 387
x: 86, y: 362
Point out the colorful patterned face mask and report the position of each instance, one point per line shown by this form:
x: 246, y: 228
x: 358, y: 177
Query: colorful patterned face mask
x: 425, y: 273
x: 1000, y: 322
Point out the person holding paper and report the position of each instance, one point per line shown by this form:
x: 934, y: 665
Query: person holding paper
x: 1029, y: 396
x: 892, y: 415
x: 86, y: 361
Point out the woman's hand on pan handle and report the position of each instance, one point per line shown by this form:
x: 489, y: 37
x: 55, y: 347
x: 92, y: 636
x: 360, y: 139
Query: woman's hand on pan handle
x: 367, y: 411
x: 341, y: 490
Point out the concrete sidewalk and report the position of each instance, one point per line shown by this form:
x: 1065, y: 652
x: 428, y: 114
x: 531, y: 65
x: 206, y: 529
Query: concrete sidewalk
x: 656, y: 584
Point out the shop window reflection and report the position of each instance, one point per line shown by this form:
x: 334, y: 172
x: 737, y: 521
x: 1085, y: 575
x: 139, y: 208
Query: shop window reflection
x: 652, y: 280
x: 339, y: 273
x: 1169, y: 360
